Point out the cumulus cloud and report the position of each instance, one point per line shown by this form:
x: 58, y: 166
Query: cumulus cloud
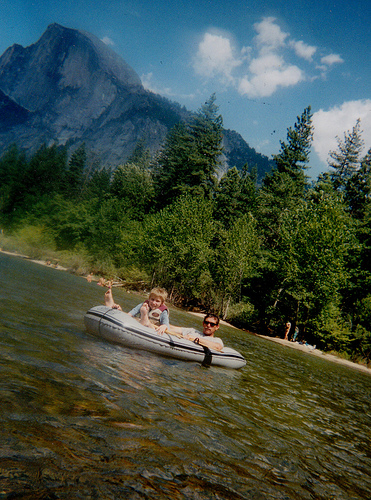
x: 270, y: 36
x: 331, y: 59
x: 336, y: 121
x: 303, y: 50
x: 268, y: 73
x: 215, y: 55
x: 262, y: 68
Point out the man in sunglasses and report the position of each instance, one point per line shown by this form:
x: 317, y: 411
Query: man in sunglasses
x: 206, y: 338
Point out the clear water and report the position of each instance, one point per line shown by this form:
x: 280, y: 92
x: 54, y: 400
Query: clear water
x: 82, y: 418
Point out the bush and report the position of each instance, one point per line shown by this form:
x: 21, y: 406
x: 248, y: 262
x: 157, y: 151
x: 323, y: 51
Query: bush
x: 241, y: 315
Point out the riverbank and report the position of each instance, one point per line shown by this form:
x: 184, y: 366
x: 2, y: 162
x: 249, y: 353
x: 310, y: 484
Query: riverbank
x: 51, y: 263
x: 304, y: 348
x: 292, y: 345
x: 316, y: 352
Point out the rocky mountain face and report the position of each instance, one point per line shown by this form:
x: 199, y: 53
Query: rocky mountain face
x: 69, y: 88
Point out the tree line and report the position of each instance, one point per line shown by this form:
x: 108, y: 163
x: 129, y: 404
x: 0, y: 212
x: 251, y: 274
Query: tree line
x: 259, y: 255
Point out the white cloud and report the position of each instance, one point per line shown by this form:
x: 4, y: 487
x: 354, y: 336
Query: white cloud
x: 263, y: 68
x: 215, y: 55
x: 106, y: 40
x: 270, y: 36
x: 268, y: 73
x: 336, y: 121
x: 331, y: 59
x: 303, y: 50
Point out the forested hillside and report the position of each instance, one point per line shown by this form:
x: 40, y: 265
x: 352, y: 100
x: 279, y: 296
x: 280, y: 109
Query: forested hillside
x: 259, y: 255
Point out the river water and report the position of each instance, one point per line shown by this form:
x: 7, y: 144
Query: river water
x: 85, y: 419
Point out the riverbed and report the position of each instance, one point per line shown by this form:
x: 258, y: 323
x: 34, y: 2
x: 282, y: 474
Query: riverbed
x: 82, y: 418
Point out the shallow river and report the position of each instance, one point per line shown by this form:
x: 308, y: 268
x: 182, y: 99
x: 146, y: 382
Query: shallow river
x: 85, y: 419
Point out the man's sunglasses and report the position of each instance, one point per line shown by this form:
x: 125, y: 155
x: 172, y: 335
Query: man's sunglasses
x: 210, y: 323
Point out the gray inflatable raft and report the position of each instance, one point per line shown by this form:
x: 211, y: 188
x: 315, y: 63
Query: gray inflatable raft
x: 118, y: 327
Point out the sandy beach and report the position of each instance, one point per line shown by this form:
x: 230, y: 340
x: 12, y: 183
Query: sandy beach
x: 316, y: 352
x: 292, y: 345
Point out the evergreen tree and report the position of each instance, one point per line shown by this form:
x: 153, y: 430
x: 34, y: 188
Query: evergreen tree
x: 235, y: 195
x: 284, y: 187
x: 75, y: 173
x: 45, y: 173
x: 141, y: 155
x: 191, y: 155
x: 294, y: 155
x: 358, y: 188
x: 98, y: 184
x: 12, y: 168
x: 345, y: 161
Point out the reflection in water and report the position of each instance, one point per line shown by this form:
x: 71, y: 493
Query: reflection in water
x: 82, y: 418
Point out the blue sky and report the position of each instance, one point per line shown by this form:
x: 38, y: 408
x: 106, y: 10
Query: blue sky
x: 265, y: 60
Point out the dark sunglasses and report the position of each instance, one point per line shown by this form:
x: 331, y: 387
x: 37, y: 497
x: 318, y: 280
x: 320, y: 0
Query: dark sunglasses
x: 210, y: 323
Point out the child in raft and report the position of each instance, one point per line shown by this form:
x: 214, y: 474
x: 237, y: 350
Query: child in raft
x: 153, y: 312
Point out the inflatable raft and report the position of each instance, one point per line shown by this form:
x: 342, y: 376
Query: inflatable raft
x: 116, y: 326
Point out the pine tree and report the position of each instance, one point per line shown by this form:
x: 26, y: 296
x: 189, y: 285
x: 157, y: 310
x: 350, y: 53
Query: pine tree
x: 345, y: 160
x: 191, y: 155
x: 283, y: 188
x: 358, y: 188
x: 294, y: 155
x: 235, y: 196
x: 75, y: 172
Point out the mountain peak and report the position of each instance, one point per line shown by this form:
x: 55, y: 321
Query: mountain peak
x: 65, y: 65
x: 107, y: 59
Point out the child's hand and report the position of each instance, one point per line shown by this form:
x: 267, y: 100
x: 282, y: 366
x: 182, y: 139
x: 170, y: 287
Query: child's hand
x: 161, y: 329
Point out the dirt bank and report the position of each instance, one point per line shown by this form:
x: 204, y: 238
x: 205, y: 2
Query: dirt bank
x: 317, y: 352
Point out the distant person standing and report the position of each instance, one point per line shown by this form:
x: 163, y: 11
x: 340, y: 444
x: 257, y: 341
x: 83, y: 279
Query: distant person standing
x: 296, y: 334
x: 287, y: 330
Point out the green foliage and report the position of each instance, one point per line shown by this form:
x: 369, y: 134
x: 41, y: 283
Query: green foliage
x: 115, y: 236
x: 190, y: 157
x: 133, y: 185
x: 241, y: 314
x: 235, y: 259
x: 330, y: 329
x: 70, y: 222
x: 358, y: 188
x: 45, y: 172
x: 345, y: 160
x: 12, y: 167
x: 98, y: 183
x: 294, y: 154
x: 74, y: 178
x: 177, y: 247
x: 32, y: 240
x: 235, y: 195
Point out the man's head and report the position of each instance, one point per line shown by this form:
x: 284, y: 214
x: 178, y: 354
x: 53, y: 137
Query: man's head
x: 210, y: 324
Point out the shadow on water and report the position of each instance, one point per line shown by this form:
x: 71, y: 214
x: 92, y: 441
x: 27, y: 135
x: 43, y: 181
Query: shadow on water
x: 82, y: 418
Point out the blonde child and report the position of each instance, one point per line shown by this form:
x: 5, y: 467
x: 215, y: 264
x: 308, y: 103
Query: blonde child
x: 153, y: 312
